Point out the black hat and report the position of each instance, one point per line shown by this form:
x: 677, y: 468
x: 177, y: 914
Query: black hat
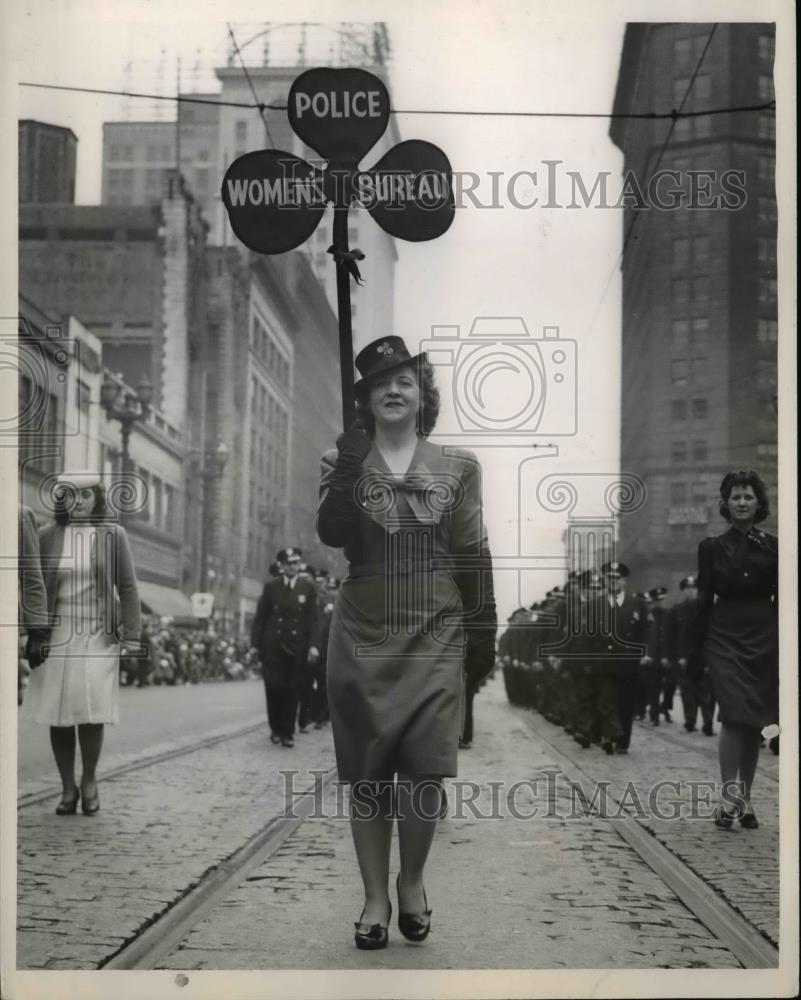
x: 383, y: 355
x: 657, y: 592
x: 688, y: 581
x: 289, y: 553
x: 608, y: 568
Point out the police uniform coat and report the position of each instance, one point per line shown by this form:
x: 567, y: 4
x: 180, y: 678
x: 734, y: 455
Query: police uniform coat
x: 285, y: 626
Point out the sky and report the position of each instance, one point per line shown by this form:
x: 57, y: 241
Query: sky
x: 549, y: 266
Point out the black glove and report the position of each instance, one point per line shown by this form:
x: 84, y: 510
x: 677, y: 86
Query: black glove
x: 353, y: 446
x: 35, y: 650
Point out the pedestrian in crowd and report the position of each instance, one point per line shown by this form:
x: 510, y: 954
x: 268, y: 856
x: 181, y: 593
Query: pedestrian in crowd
x: 286, y: 633
x: 659, y: 666
x: 32, y: 597
x: 408, y: 515
x: 625, y: 638
x: 88, y: 572
x: 695, y: 685
x: 737, y: 635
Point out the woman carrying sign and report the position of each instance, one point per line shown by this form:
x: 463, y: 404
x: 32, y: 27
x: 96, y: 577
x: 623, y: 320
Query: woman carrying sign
x: 416, y: 606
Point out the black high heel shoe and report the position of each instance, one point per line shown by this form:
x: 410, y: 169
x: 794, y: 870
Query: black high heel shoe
x: 725, y: 819
x: 749, y: 821
x: 413, y: 926
x: 68, y: 807
x: 372, y: 937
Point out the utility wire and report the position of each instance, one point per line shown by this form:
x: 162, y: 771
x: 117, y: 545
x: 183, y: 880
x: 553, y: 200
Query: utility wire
x: 259, y: 104
x: 262, y: 106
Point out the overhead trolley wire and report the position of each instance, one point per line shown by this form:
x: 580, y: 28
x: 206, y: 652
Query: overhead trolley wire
x: 262, y: 106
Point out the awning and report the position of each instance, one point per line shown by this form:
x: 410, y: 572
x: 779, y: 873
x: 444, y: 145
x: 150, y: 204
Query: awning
x: 156, y: 599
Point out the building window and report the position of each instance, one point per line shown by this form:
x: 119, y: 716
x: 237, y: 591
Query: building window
x: 679, y: 372
x: 701, y: 289
x: 766, y: 125
x: 766, y: 251
x: 767, y: 450
x: 700, y: 369
x: 682, y: 49
x: 113, y: 153
x: 678, y: 410
x: 767, y: 331
x: 767, y: 290
x: 678, y: 493
x: 701, y: 249
x: 681, y: 251
x: 765, y: 87
x: 702, y: 88
x: 702, y: 126
x: 700, y: 451
x: 681, y: 291
x: 680, y: 333
x: 700, y: 327
x: 766, y: 209
x: 700, y: 409
x: 678, y: 452
x: 767, y: 47
x: 680, y: 86
x: 767, y: 169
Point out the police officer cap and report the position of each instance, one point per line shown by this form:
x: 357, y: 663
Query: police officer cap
x: 688, y: 581
x: 289, y: 553
x: 589, y: 578
x: 657, y: 592
x: 608, y: 568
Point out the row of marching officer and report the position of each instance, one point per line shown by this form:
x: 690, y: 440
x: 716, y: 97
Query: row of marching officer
x: 592, y: 657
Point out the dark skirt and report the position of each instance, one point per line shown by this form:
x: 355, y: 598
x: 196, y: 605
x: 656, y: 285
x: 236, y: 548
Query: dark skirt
x: 395, y: 676
x: 742, y: 654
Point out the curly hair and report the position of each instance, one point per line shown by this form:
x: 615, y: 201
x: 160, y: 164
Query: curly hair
x: 744, y: 477
x: 62, y: 511
x: 429, y: 399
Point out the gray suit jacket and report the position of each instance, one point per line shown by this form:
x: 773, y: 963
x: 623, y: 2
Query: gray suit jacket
x: 116, y: 578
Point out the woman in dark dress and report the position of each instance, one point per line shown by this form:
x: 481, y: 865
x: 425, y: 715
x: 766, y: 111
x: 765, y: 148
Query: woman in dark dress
x: 738, y: 636
x: 415, y: 608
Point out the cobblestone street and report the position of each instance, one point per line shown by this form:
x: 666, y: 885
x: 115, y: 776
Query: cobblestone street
x: 557, y: 890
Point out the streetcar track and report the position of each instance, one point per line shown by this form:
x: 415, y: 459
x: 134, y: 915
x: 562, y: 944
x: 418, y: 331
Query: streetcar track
x: 750, y: 946
x: 163, y: 933
x: 32, y: 798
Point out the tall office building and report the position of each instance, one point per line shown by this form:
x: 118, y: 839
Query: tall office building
x: 699, y: 324
x: 47, y: 163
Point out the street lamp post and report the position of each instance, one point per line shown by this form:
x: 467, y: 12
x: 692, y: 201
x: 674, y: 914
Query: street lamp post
x: 211, y: 469
x: 128, y: 407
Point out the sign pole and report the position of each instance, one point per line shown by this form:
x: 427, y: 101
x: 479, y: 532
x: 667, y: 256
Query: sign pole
x: 343, y: 308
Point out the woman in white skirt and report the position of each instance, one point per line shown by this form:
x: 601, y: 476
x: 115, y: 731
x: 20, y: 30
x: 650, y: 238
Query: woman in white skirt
x: 93, y: 603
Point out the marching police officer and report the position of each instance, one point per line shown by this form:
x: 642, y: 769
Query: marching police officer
x: 286, y: 633
x: 659, y: 677
x: 626, y: 643
x: 694, y: 680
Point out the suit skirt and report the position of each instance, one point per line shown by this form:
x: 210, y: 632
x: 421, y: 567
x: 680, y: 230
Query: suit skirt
x: 395, y: 676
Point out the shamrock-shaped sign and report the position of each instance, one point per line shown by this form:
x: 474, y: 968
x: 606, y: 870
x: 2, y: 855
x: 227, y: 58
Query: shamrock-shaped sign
x: 275, y: 199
